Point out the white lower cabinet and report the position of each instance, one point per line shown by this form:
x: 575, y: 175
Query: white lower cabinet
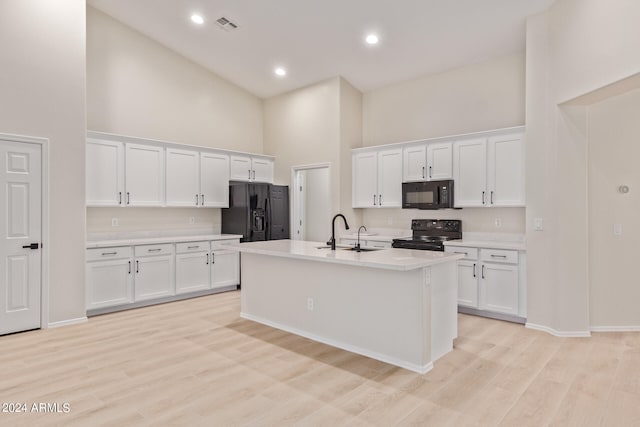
x: 225, y: 268
x: 192, y: 267
x: 154, y: 267
x: 109, y: 277
x: 489, y: 280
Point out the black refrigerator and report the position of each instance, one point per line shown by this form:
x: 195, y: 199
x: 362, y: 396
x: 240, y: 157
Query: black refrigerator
x: 257, y: 211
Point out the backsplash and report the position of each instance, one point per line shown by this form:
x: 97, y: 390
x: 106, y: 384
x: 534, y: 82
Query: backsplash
x: 99, y: 220
x: 511, y: 220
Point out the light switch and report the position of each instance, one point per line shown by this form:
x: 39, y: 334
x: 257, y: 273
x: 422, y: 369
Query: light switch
x: 538, y: 224
x: 617, y: 229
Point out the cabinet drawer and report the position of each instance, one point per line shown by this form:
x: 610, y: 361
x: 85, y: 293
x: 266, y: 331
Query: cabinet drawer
x: 108, y: 253
x: 469, y: 253
x: 146, y: 250
x: 187, y: 247
x: 499, y: 255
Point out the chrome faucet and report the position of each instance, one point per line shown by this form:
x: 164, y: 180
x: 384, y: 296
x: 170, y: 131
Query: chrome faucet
x: 332, y: 242
x: 358, y: 244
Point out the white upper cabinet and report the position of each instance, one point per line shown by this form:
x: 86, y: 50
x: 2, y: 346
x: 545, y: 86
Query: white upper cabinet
x: 489, y: 171
x: 248, y: 168
x: 105, y: 173
x: 183, y: 177
x: 506, y: 166
x: 470, y: 172
x: 214, y: 180
x: 377, y: 179
x: 144, y: 175
x: 439, y: 161
x: 198, y: 179
x: 414, y: 163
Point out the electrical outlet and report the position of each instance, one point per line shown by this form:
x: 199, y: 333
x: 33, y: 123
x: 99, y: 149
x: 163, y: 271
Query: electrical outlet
x: 538, y: 224
x: 617, y: 229
x: 115, y: 222
x: 498, y: 222
x: 310, y: 304
x: 192, y: 220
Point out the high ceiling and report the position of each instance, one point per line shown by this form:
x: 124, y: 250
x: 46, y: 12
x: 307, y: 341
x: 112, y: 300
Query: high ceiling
x: 315, y: 40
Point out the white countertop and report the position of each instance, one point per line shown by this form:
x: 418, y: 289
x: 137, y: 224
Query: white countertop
x: 380, y: 234
x: 124, y: 240
x: 388, y: 259
x: 487, y: 244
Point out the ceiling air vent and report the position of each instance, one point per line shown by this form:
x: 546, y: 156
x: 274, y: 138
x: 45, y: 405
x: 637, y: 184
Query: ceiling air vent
x: 226, y: 24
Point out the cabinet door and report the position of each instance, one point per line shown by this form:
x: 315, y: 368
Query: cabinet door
x: 144, y: 179
x: 214, y: 180
x: 364, y: 181
x: 506, y: 170
x: 390, y: 178
x: 109, y: 283
x: 470, y: 172
x: 468, y: 283
x: 240, y: 168
x: 414, y: 162
x: 192, y: 272
x: 439, y: 161
x: 105, y: 173
x: 262, y: 170
x: 225, y: 268
x: 499, y: 285
x: 154, y: 277
x: 183, y: 178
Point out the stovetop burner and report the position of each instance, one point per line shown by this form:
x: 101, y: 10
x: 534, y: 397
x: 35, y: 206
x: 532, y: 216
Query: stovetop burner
x: 430, y: 234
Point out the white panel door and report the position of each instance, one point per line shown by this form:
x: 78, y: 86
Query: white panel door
x: 440, y: 161
x: 20, y: 225
x: 109, y: 283
x: 240, y: 168
x: 225, y: 268
x: 390, y: 178
x: 506, y: 170
x: 105, y: 173
x: 470, y: 172
x: 414, y: 161
x: 214, y: 180
x: 144, y: 177
x: 499, y: 288
x: 154, y: 277
x: 183, y: 177
x: 262, y: 170
x: 364, y: 182
x: 192, y: 272
x: 468, y: 283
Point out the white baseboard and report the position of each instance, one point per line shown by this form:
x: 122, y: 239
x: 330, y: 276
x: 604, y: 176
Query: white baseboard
x: 615, y: 329
x: 372, y: 354
x: 67, y: 322
x: 563, y: 334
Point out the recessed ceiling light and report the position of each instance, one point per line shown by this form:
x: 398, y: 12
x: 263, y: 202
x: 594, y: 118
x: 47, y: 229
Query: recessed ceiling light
x: 372, y: 39
x: 198, y: 19
x: 280, y: 72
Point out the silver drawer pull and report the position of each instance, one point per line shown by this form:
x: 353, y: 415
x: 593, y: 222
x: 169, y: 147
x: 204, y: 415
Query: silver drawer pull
x: 193, y: 247
x: 498, y: 256
x: 109, y: 253
x: 154, y: 250
x: 456, y: 252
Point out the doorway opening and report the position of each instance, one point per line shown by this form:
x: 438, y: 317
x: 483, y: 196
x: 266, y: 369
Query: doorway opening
x: 311, y: 202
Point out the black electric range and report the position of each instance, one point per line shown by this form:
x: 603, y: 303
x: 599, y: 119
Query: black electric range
x: 430, y: 234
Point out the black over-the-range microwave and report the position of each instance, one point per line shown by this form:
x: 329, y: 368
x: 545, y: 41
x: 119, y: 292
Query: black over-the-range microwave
x: 427, y: 194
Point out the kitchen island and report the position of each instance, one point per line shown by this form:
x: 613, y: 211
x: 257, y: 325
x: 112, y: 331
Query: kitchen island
x: 395, y: 305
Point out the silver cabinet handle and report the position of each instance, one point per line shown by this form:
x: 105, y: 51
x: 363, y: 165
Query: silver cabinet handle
x: 109, y: 253
x: 137, y: 266
x: 483, y: 271
x: 193, y: 247
x: 456, y: 252
x: 483, y: 198
x: 379, y: 199
x: 423, y: 173
x: 128, y: 198
x: 429, y: 171
x: 119, y: 197
x: 474, y: 270
x: 492, y: 197
x: 154, y: 250
x: 196, y: 200
x: 254, y: 174
x: 202, y: 200
x: 207, y: 258
x: 129, y: 267
x: 213, y: 258
x: 374, y: 200
x: 249, y: 170
x: 498, y: 256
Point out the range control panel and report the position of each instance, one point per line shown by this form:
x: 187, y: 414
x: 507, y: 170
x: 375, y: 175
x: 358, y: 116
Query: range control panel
x: 447, y: 225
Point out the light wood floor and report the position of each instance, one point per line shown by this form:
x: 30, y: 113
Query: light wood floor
x: 196, y: 362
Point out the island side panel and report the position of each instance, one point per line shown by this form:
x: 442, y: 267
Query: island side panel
x: 383, y: 314
x: 444, y: 308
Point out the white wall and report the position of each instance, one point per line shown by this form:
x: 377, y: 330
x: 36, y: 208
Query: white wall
x: 614, y: 156
x: 484, y: 96
x: 138, y: 87
x: 577, y: 46
x: 42, y: 87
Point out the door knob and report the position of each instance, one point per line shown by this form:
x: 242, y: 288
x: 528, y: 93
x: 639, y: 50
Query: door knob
x: 32, y: 246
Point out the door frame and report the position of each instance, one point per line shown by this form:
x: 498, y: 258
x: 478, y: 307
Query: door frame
x: 294, y: 213
x: 44, y: 218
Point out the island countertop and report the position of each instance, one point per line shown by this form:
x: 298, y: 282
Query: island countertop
x: 388, y: 259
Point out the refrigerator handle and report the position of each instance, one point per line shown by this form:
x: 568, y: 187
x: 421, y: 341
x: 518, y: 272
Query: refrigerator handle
x: 267, y: 218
